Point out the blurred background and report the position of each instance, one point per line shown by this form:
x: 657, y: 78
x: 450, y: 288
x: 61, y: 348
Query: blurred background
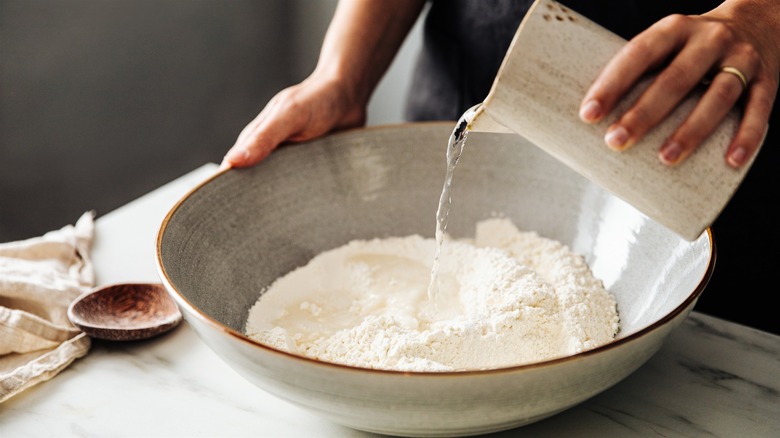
x: 102, y: 101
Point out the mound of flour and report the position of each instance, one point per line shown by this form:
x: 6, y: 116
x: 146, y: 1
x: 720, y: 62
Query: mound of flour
x: 506, y: 297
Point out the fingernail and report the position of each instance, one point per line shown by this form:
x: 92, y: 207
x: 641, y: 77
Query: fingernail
x: 236, y: 156
x: 590, y: 111
x: 671, y: 152
x: 738, y: 157
x: 616, y: 137
x: 225, y: 164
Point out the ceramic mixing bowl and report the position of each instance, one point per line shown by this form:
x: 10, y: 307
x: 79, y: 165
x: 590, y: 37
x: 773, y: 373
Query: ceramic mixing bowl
x: 236, y: 233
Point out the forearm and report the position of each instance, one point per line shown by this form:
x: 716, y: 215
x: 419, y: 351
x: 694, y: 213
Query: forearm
x: 362, y: 40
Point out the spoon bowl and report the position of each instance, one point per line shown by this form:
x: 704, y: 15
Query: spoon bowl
x: 125, y: 312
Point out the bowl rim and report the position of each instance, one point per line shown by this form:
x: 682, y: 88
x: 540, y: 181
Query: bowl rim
x: 241, y: 337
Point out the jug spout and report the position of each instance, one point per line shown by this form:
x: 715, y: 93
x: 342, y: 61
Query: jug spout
x: 481, y: 121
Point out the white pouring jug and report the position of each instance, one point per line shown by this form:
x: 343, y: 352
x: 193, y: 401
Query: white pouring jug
x: 554, y: 57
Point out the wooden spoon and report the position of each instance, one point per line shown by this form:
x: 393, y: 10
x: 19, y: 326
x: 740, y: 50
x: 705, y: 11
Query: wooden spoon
x: 125, y: 312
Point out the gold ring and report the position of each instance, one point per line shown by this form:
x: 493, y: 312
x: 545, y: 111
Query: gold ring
x: 734, y: 71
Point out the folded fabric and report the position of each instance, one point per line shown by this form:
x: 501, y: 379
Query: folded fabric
x: 39, y: 278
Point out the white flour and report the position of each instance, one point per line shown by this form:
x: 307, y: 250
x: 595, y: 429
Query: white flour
x: 506, y: 298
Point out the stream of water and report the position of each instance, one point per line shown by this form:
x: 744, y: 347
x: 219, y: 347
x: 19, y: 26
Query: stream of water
x: 455, y: 145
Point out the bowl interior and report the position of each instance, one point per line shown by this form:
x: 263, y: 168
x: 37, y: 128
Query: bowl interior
x: 238, y: 232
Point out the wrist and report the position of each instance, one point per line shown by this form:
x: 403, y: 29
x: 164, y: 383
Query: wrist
x: 347, y: 81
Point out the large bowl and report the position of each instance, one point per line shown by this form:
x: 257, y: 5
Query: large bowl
x: 232, y: 236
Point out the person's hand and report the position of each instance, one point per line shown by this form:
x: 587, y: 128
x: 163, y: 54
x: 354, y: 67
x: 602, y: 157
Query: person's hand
x: 301, y: 112
x: 361, y: 41
x: 737, y: 41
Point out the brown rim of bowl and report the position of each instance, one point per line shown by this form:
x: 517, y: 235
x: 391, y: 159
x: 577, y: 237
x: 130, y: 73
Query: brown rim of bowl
x: 184, y: 303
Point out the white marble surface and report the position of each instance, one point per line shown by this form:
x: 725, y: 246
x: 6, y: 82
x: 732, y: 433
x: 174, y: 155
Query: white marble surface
x: 712, y: 378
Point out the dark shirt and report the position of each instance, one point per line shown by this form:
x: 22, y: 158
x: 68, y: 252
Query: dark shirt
x: 464, y: 44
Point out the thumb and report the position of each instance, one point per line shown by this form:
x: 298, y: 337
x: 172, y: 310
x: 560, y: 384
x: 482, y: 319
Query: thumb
x: 257, y: 140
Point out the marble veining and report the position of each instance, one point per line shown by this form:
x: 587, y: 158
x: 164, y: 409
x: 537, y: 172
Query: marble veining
x: 711, y: 378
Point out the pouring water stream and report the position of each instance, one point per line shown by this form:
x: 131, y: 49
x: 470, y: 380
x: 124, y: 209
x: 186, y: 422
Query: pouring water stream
x: 455, y: 145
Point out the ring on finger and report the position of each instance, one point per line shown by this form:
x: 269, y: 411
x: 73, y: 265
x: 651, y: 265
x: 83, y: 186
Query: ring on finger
x: 737, y: 73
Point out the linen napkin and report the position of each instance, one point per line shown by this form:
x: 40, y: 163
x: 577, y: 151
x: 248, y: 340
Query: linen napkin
x: 39, y: 278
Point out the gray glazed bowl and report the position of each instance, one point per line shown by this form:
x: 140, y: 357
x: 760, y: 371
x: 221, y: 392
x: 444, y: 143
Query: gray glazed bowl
x: 237, y: 232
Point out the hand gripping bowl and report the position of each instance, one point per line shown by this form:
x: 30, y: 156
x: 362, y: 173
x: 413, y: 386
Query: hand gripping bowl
x: 239, y: 231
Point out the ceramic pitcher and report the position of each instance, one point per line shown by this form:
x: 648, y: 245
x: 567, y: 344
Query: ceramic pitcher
x: 555, y: 56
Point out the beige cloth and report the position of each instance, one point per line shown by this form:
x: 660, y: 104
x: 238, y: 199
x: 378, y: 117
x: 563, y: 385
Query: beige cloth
x: 39, y: 278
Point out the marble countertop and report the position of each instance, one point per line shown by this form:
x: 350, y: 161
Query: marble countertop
x: 711, y: 378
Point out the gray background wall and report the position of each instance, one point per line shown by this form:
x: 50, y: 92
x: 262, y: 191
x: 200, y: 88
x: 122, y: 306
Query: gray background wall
x: 102, y: 101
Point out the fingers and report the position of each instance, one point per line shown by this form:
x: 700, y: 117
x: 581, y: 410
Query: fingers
x: 262, y: 135
x: 755, y: 122
x: 690, y: 48
x: 669, y: 88
x: 636, y: 58
x: 721, y: 95
x: 301, y: 112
